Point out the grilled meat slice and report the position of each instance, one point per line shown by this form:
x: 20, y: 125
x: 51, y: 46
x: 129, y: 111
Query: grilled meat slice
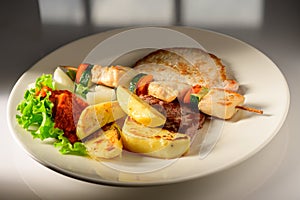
x: 188, y: 65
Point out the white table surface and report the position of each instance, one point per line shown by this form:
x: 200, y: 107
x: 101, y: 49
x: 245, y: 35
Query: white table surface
x: 273, y: 173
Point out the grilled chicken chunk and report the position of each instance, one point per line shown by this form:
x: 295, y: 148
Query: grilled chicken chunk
x: 167, y: 91
x: 109, y: 76
x: 220, y: 103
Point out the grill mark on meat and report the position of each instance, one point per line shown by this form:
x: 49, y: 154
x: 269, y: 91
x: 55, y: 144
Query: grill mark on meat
x: 179, y: 117
x: 190, y: 65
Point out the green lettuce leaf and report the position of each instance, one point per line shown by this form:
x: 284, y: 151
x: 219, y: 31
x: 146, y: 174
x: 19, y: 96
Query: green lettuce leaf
x: 45, y: 80
x: 81, y: 90
x: 66, y: 147
x: 36, y: 117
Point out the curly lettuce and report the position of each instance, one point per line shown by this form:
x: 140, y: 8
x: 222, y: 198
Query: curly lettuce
x: 36, y: 118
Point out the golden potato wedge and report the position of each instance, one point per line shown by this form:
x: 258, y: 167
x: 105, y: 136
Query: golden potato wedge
x: 139, y: 110
x: 155, y: 142
x: 94, y: 117
x: 105, y: 143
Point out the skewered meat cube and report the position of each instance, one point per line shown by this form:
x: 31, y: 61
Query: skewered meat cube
x: 220, y: 103
x: 109, y: 76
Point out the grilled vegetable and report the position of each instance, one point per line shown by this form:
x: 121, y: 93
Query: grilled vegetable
x: 96, y: 116
x: 70, y: 71
x: 105, y: 143
x: 156, y: 142
x: 195, y: 98
x: 83, y: 79
x: 133, y: 82
x: 83, y: 75
x: 139, y: 83
x: 138, y: 109
x: 62, y: 80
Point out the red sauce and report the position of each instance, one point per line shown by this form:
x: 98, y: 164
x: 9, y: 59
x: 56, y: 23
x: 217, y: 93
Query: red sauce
x: 66, y: 111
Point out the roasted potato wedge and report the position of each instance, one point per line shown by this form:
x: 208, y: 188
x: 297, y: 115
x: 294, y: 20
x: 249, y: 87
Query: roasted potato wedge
x: 105, y: 143
x: 154, y: 142
x: 139, y: 110
x: 96, y: 116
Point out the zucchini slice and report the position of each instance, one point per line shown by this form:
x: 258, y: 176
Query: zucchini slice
x: 84, y: 75
x: 139, y: 82
x: 196, y: 98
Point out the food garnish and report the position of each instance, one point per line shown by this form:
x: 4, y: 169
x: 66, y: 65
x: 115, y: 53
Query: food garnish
x: 36, y: 116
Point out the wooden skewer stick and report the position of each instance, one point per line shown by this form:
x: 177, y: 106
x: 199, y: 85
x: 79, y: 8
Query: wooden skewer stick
x: 250, y: 109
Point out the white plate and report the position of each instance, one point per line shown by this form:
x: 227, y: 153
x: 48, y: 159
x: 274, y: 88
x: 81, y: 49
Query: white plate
x: 242, y: 137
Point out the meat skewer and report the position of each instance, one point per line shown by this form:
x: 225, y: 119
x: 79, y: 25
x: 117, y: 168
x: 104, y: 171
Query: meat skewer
x: 215, y: 102
x: 96, y: 74
x: 223, y: 103
x: 196, y: 68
